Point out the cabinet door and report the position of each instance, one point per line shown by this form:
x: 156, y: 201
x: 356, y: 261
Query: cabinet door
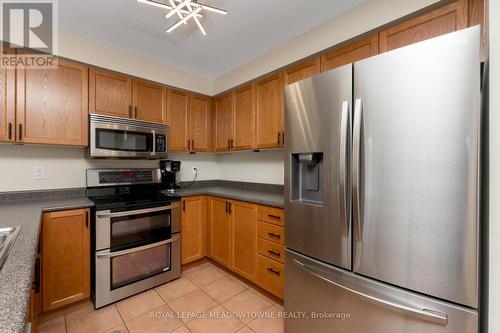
x: 224, y: 122
x: 7, y: 100
x: 52, y: 105
x: 65, y: 258
x: 193, y: 229
x: 220, y: 231
x: 110, y: 93
x: 244, y: 118
x: 303, y: 71
x: 149, y: 102
x: 443, y: 20
x: 244, y: 239
x: 201, y: 109
x: 178, y: 120
x: 270, y: 112
x: 350, y: 53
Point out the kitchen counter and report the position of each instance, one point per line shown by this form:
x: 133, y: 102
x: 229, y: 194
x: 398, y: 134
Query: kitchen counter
x: 16, y: 273
x: 269, y: 195
x: 25, y: 209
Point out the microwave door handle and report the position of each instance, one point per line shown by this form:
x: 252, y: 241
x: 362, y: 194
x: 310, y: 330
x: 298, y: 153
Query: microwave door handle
x: 137, y: 249
x: 137, y: 212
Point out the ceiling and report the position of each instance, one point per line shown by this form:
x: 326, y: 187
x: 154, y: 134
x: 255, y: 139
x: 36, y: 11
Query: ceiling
x: 251, y: 28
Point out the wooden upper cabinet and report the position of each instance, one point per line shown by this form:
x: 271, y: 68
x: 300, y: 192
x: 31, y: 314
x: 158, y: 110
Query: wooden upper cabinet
x: 65, y: 258
x: 178, y: 120
x: 476, y: 17
x: 440, y: 21
x: 302, y: 71
x: 7, y: 100
x: 244, y: 118
x: 110, y: 94
x: 244, y: 239
x: 52, y: 105
x: 200, y: 121
x: 224, y: 122
x: 150, y: 102
x: 350, y: 53
x: 193, y: 229
x: 270, y: 112
x: 220, y: 231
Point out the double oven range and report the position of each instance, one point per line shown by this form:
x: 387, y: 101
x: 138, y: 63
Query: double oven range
x: 136, y: 233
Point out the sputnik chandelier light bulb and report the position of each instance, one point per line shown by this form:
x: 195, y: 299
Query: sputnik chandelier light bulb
x: 185, y: 10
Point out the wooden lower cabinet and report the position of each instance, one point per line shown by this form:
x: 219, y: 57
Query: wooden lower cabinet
x: 271, y: 275
x: 192, y: 227
x: 65, y: 258
x: 219, y: 230
x: 237, y: 240
x: 244, y: 239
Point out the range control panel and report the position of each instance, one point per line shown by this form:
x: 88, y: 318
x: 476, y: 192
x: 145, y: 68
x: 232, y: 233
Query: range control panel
x: 110, y: 177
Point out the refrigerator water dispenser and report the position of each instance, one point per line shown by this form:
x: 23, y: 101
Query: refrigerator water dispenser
x: 307, y: 178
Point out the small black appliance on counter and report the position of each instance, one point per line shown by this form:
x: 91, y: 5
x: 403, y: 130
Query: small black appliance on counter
x: 169, y: 171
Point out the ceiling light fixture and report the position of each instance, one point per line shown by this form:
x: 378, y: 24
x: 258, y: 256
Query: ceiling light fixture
x: 185, y: 10
x: 187, y: 17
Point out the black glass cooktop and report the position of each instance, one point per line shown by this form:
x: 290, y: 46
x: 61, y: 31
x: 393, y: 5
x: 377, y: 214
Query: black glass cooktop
x: 130, y: 197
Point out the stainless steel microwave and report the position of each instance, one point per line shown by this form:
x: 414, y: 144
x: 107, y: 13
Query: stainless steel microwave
x: 113, y: 137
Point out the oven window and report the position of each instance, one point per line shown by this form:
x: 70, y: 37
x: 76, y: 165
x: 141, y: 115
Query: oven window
x: 140, y: 229
x: 123, y: 140
x: 139, y: 265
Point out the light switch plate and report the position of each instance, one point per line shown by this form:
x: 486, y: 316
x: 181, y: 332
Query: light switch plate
x: 39, y: 172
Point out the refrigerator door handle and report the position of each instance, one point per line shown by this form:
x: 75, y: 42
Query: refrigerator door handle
x: 425, y: 314
x: 344, y: 123
x: 356, y: 161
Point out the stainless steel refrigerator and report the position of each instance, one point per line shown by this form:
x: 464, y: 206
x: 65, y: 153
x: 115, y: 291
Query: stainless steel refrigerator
x: 382, y: 192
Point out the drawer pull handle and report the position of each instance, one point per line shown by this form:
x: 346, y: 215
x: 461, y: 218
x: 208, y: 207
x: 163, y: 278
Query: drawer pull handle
x: 274, y: 271
x: 274, y: 253
x: 272, y: 234
x: 274, y: 216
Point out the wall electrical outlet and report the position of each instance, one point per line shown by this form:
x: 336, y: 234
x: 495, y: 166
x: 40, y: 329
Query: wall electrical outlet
x: 194, y: 170
x: 39, y: 172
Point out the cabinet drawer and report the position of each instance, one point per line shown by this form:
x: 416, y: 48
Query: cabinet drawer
x: 271, y: 214
x: 271, y: 250
x: 270, y: 275
x: 271, y: 232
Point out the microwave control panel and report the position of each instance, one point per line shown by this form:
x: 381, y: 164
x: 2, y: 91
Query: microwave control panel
x: 161, y: 143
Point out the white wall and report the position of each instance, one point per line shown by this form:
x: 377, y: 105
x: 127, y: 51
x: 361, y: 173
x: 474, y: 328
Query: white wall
x: 494, y: 152
x: 65, y: 167
x: 261, y: 167
x: 92, y: 53
x: 366, y: 17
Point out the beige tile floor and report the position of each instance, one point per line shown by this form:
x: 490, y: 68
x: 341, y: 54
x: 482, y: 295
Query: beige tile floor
x: 204, y: 299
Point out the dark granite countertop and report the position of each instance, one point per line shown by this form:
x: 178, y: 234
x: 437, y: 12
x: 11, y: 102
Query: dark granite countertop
x: 267, y: 198
x: 16, y: 273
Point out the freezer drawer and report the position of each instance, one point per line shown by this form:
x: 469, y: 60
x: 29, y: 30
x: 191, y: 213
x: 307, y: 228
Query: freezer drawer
x: 316, y: 289
x: 416, y: 155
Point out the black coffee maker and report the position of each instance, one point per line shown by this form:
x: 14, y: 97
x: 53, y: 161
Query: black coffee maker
x: 169, y: 171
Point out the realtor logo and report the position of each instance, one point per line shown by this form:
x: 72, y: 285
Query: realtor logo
x: 31, y: 26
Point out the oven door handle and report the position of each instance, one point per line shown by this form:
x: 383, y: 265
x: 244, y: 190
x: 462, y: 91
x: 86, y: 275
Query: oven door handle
x: 136, y: 212
x: 137, y: 249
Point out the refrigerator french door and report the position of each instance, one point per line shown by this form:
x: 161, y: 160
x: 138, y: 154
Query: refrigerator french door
x: 414, y: 174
